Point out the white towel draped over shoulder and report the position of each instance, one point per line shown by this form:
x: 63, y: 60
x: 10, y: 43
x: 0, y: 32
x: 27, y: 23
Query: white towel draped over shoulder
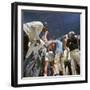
x: 33, y: 30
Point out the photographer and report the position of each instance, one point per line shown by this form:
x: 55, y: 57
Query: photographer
x: 72, y: 43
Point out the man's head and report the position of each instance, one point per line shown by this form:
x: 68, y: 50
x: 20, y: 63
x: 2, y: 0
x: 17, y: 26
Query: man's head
x: 45, y: 28
x: 51, y: 46
x: 71, y: 34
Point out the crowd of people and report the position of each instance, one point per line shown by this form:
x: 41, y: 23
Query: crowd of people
x: 50, y: 57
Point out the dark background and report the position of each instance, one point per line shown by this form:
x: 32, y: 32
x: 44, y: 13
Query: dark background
x: 59, y: 23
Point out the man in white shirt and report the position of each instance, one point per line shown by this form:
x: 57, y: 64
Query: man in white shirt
x: 33, y: 30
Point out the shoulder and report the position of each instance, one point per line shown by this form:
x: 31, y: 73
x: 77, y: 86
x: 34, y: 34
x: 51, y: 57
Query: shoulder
x: 34, y: 24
